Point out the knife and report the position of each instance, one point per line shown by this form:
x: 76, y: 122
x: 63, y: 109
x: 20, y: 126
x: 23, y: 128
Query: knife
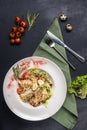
x: 57, y: 40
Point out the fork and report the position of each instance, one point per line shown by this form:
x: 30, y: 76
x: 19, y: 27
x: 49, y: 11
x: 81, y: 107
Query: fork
x: 51, y: 44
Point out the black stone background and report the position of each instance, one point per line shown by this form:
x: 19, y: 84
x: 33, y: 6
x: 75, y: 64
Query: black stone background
x: 76, y: 10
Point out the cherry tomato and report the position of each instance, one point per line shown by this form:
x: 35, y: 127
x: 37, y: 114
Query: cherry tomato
x: 17, y: 40
x: 17, y: 30
x: 12, y: 41
x: 17, y: 19
x: 14, y: 29
x: 12, y: 34
x: 25, y: 74
x: 21, y: 29
x: 18, y: 34
x: 43, y: 79
x: 19, y: 90
x: 23, y: 24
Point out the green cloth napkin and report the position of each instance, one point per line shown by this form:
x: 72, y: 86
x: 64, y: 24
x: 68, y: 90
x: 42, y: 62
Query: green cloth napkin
x: 67, y: 115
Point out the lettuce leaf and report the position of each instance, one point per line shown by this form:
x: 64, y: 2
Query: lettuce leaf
x: 79, y: 84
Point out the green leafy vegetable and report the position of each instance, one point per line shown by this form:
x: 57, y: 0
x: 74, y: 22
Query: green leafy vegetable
x: 34, y: 71
x: 31, y: 19
x: 17, y: 72
x: 45, y: 103
x: 79, y: 86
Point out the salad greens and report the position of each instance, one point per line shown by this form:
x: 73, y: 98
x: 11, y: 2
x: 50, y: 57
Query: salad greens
x: 79, y: 86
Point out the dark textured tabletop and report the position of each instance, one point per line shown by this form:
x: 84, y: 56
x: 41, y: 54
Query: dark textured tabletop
x: 76, y: 11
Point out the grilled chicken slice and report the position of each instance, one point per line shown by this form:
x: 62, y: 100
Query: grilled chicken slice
x: 26, y: 95
x: 25, y: 83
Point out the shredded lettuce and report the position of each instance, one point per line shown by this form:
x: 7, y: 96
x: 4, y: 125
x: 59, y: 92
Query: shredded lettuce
x: 45, y: 103
x: 34, y: 70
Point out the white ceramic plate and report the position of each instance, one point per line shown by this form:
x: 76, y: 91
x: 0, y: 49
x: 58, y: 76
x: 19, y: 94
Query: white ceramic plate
x: 25, y: 110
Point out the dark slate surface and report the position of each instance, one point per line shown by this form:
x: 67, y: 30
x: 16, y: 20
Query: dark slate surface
x: 76, y: 11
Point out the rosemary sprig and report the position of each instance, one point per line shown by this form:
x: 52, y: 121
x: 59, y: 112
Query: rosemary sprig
x: 31, y: 19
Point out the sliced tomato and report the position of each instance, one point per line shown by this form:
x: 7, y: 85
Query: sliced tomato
x: 19, y: 90
x: 43, y: 79
x: 25, y: 74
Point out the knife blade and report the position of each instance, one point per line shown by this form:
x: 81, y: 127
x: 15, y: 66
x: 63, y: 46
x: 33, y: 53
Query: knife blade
x: 57, y: 40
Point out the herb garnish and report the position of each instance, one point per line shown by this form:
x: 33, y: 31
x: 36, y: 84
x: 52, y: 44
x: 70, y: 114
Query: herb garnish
x: 31, y: 19
x: 17, y: 72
